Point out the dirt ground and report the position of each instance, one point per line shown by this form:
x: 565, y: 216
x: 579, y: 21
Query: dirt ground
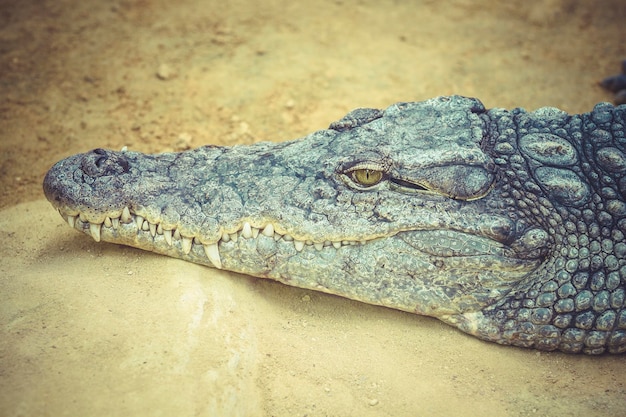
x: 102, y: 330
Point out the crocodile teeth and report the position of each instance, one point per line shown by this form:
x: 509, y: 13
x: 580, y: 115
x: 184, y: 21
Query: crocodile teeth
x: 71, y: 220
x: 94, y: 229
x: 186, y: 244
x: 246, y: 231
x: 139, y: 221
x: 167, y: 234
x: 153, y: 229
x: 126, y: 217
x: 269, y: 230
x: 212, y: 252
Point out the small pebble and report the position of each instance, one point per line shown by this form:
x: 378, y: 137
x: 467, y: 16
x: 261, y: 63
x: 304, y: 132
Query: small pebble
x: 373, y: 402
x: 165, y: 72
x: 183, y: 142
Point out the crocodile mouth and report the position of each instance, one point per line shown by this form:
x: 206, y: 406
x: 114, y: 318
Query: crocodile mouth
x: 120, y: 228
x: 127, y: 227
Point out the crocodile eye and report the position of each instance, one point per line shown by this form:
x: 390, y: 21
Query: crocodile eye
x: 366, y: 176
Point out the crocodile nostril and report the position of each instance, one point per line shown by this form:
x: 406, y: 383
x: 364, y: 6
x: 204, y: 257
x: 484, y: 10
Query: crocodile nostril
x: 101, y: 162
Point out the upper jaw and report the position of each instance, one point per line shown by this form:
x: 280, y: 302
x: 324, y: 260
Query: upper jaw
x: 122, y: 182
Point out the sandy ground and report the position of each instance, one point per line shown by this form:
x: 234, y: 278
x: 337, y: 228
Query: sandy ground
x: 102, y: 330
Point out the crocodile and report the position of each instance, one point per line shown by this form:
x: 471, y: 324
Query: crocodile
x: 507, y: 224
x: 617, y: 85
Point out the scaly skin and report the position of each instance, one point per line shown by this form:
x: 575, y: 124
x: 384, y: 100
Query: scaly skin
x: 506, y: 224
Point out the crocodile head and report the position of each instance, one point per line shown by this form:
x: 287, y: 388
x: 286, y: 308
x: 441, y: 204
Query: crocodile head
x: 409, y: 208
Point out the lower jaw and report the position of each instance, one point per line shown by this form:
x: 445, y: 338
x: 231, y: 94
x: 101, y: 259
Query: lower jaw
x: 378, y: 272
